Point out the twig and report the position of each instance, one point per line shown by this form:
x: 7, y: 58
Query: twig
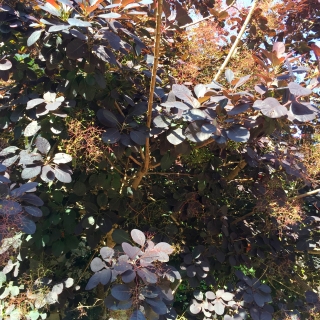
x: 113, y: 165
x: 243, y: 217
x: 135, y: 161
x: 310, y: 193
x: 195, y: 22
x: 205, y: 143
x: 119, y: 109
x: 235, y: 44
x: 144, y: 169
x: 155, y: 165
x: 236, y: 170
x: 172, y: 173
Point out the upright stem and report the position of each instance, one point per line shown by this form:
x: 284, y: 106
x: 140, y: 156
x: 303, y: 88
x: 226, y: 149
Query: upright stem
x: 235, y: 44
x: 144, y: 169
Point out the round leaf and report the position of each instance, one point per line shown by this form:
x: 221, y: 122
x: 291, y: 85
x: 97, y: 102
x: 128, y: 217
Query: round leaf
x: 121, y: 292
x: 31, y: 129
x: 138, y: 237
x: 238, y: 133
x: 111, y: 135
x: 270, y: 107
x: 176, y: 136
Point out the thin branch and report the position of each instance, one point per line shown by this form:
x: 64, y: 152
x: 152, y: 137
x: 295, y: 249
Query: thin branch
x: 113, y: 165
x: 135, y: 161
x: 195, y: 22
x: 205, y: 143
x: 236, y: 170
x: 310, y: 193
x: 155, y: 165
x: 171, y: 173
x: 243, y: 217
x: 144, y: 169
x: 118, y: 108
x: 235, y: 44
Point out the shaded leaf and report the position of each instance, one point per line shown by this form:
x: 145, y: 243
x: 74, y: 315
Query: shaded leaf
x: 34, y: 211
x: 111, y: 135
x: 158, y: 306
x: 176, y: 136
x: 137, y: 315
x: 27, y: 225
x: 138, y: 137
x: 121, y: 292
x: 120, y: 236
x: 238, y: 133
x: 76, y: 49
x: 194, y: 133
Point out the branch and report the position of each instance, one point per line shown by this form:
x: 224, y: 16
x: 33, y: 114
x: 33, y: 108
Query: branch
x: 144, y: 169
x: 310, y: 193
x: 236, y: 170
x: 234, y: 46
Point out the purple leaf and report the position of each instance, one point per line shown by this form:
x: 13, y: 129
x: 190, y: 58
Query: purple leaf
x: 62, y: 174
x: 137, y: 315
x: 138, y: 237
x: 298, y: 90
x: 158, y: 306
x: 238, y: 133
x: 27, y: 225
x: 34, y: 211
x: 121, y: 292
x: 10, y: 207
x: 97, y: 264
x: 176, y: 136
x: 147, y: 276
x: 106, y: 253
x: 242, y: 81
x: 219, y: 307
x: 128, y: 276
x: 164, y: 247
x: 270, y: 107
x: 62, y: 158
x: 42, y: 145
x: 47, y: 174
x: 195, y: 308
x: 32, y: 199
x: 27, y: 187
x: 130, y: 251
x: 210, y: 295
x: 122, y: 266
x: 227, y: 296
